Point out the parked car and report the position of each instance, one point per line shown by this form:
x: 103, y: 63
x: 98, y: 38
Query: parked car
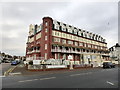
x: 14, y: 62
x: 108, y: 65
x: 18, y: 60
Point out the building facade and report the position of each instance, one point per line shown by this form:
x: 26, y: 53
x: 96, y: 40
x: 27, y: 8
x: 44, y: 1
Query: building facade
x: 115, y: 52
x: 54, y: 39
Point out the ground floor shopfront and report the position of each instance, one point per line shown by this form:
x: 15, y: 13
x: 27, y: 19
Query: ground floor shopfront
x: 82, y: 58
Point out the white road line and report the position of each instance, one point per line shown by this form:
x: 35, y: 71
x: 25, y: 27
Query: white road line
x: 2, y: 76
x: 37, y: 79
x: 28, y: 80
x: 47, y: 78
x: 15, y: 73
x: 81, y: 74
x: 75, y: 74
x: 110, y: 83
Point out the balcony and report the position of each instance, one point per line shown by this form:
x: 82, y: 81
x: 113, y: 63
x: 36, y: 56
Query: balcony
x: 34, y: 51
x: 64, y: 51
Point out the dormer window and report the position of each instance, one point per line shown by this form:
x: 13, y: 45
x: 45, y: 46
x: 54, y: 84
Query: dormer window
x: 75, y: 31
x: 84, y: 34
x: 63, y: 28
x: 87, y: 35
x: 69, y: 30
x: 79, y: 33
x: 57, y: 26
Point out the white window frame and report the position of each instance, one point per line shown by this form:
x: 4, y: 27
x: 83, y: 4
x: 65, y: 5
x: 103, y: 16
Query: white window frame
x: 46, y: 29
x: 45, y: 55
x: 64, y: 41
x: 75, y: 31
x: 45, y: 37
x: 46, y: 23
x: 45, y: 46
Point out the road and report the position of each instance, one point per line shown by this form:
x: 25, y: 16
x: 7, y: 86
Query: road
x: 89, y: 78
x: 4, y: 67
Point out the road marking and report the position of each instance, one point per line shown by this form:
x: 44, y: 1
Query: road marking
x: 25, y: 81
x: 15, y: 73
x: 106, y: 70
x: 9, y: 70
x: 2, y: 76
x: 47, y: 78
x: 75, y: 74
x: 37, y: 79
x: 110, y: 83
x: 81, y: 74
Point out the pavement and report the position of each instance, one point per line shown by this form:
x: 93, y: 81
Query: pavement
x: 22, y: 70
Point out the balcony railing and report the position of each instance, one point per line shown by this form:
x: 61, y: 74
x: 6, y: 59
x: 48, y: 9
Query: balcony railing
x: 64, y: 51
x: 72, y: 51
x: 34, y: 51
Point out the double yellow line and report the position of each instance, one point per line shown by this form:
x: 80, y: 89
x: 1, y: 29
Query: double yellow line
x: 8, y: 71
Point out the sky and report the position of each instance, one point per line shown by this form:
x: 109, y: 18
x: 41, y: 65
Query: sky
x: 98, y: 17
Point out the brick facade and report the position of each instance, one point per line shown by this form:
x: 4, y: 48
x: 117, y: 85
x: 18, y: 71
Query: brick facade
x: 53, y: 39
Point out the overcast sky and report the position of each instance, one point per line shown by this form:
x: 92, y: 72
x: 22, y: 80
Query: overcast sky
x: 97, y: 17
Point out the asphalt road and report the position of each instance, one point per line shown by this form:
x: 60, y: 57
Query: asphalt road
x: 4, y: 67
x: 89, y: 78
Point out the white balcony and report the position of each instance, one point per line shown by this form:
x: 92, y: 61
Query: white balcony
x: 37, y: 51
x: 64, y: 51
x: 33, y: 51
x: 55, y: 50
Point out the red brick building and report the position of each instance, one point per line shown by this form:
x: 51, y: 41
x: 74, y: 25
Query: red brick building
x: 54, y: 39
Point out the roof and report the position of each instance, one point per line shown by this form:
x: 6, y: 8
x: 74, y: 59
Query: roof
x: 117, y: 45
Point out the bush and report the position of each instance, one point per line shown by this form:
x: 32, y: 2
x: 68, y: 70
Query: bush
x: 31, y: 62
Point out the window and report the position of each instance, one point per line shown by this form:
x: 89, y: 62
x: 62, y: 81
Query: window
x: 79, y: 33
x: 84, y: 35
x: 64, y: 41
x: 69, y: 30
x: 46, y: 23
x: 63, y: 28
x: 87, y: 34
x: 56, y: 40
x: 64, y: 56
x: 55, y: 56
x: 57, y: 34
x: 101, y: 47
x: 45, y: 37
x: 45, y: 55
x: 85, y: 45
x: 80, y: 44
x: 45, y: 46
x: 89, y: 45
x: 96, y: 47
x: 70, y: 42
x: 57, y: 26
x: 75, y: 31
x: 76, y: 43
x: 63, y: 35
x: 46, y: 30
